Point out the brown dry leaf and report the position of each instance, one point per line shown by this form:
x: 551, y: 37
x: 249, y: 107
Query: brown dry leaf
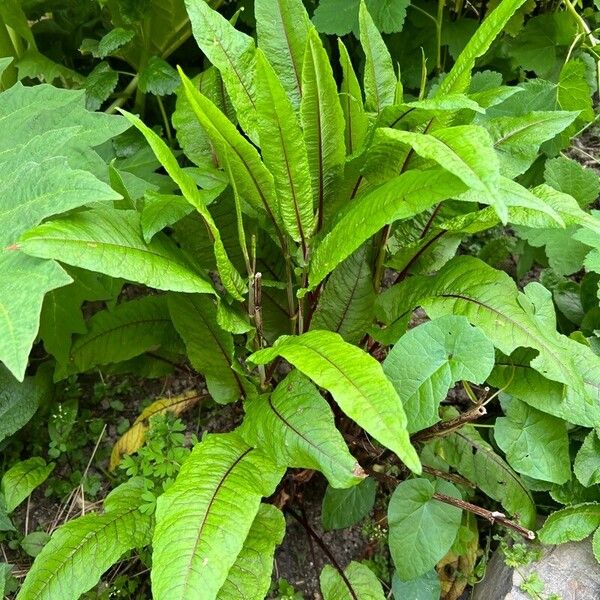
x: 134, y: 437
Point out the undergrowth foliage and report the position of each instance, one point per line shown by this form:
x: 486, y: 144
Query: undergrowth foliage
x: 288, y: 246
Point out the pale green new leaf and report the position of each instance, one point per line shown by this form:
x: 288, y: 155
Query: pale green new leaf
x: 429, y: 359
x: 284, y: 152
x: 413, y: 515
x: 110, y: 241
x: 380, y: 80
x: 570, y: 177
x: 468, y: 453
x: 210, y: 348
x: 587, y: 461
x: 250, y: 576
x: 400, y: 198
x: 233, y: 53
x: 570, y: 524
x: 82, y: 549
x: 295, y: 427
x: 356, y: 382
x: 323, y: 124
x: 459, y: 77
x: 361, y: 583
x: 535, y: 443
x: 282, y: 27
x: 231, y: 279
x: 22, y: 478
x: 204, y: 518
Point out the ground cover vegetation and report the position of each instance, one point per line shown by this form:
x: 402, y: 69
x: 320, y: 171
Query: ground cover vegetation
x: 258, y: 253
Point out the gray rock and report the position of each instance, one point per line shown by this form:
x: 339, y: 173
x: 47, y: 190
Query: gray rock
x: 569, y: 570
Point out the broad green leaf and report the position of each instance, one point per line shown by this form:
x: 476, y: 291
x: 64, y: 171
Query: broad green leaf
x: 99, y: 85
x: 570, y: 177
x: 118, y: 334
x: 429, y: 359
x: 116, y: 38
x: 413, y: 514
x: 587, y: 461
x: 596, y: 544
x: 110, y: 241
x: 535, y: 443
x: 294, y: 426
x: 161, y: 210
x: 22, y: 478
x: 35, y: 542
x: 343, y: 508
x: 253, y: 179
x: 459, y: 77
x: 82, y: 549
x: 158, y: 78
x: 205, y: 516
x: 356, y: 382
x: 284, y: 152
x: 347, y: 302
x: 401, y: 198
x: 466, y: 151
x: 570, y: 524
x: 210, y: 349
x: 425, y: 587
x: 230, y: 278
x: 360, y: 583
x: 5, y: 523
x: 5, y: 577
x: 351, y: 99
x: 282, y: 27
x: 517, y: 140
x: 380, y: 79
x: 323, y: 124
x: 468, y: 453
x: 491, y: 301
x: 250, y: 576
x: 233, y: 53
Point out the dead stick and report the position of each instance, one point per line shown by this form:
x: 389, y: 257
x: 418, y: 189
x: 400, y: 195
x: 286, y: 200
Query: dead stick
x: 446, y: 427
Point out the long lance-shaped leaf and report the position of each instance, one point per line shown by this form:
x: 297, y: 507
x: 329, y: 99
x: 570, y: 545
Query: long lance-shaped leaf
x: 295, y: 427
x: 284, y: 152
x: 282, y: 27
x: 466, y: 151
x: 356, y: 382
x: 209, y: 347
x: 110, y: 241
x: 205, y: 516
x: 491, y: 301
x: 380, y: 79
x: 250, y: 576
x: 253, y: 179
x: 230, y: 278
x: 400, y: 198
x: 360, y: 583
x: 323, y: 123
x: 357, y: 120
x: 459, y: 78
x: 80, y: 551
x: 233, y: 53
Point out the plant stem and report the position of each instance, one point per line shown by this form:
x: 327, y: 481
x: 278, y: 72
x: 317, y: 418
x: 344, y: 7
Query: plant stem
x: 446, y: 427
x: 380, y: 260
x: 124, y: 97
x: 438, y: 29
x: 165, y: 119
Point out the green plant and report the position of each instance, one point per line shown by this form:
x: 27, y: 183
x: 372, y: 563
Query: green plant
x: 345, y: 213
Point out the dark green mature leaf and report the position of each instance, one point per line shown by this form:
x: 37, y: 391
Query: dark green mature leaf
x: 204, y: 518
x: 535, y: 443
x: 323, y: 124
x: 429, y: 359
x: 284, y: 152
x: 209, y: 348
x: 343, y: 508
x: 22, y: 478
x: 110, y: 241
x: 99, y: 85
x: 282, y: 27
x: 360, y: 584
x: 413, y: 514
x: 475, y: 459
x: 587, y: 461
x: 356, y: 382
x: 295, y: 427
x: 250, y: 576
x: 425, y: 587
x: 159, y: 78
x: 82, y: 549
x: 400, y: 198
x: 570, y: 524
x: 116, y: 38
x: 233, y: 53
x: 347, y: 302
